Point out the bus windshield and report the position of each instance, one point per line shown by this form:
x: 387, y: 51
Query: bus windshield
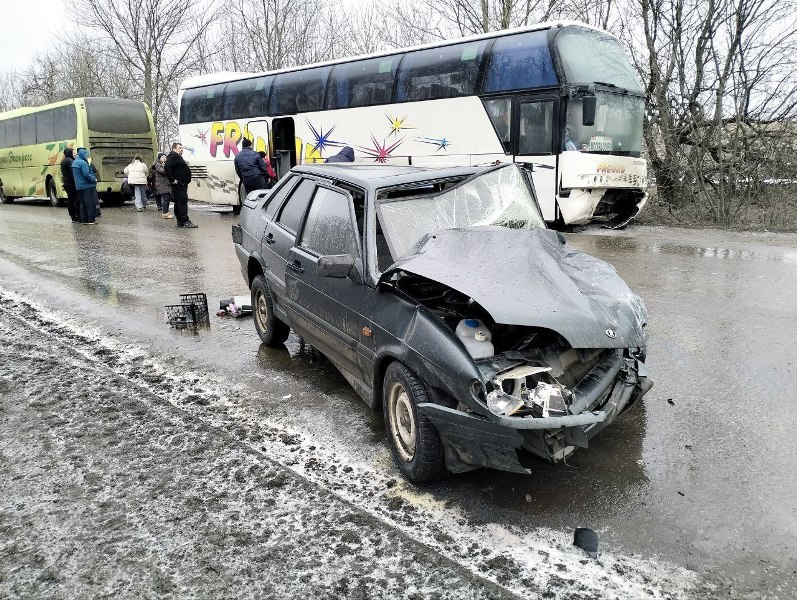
x: 589, y: 56
x: 114, y: 115
x: 617, y: 129
x: 499, y: 197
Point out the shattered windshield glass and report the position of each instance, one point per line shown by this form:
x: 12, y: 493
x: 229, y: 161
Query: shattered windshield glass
x: 500, y: 197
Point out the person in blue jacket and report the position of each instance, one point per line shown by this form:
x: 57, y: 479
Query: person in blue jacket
x: 345, y: 155
x: 251, y: 168
x: 86, y: 184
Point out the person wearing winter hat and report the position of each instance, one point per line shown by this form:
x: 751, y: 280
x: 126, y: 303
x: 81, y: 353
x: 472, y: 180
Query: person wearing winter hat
x: 251, y: 169
x: 162, y: 187
x: 68, y: 183
x: 86, y: 185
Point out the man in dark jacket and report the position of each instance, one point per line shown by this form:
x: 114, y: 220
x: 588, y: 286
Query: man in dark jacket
x: 86, y: 184
x: 179, y: 177
x: 68, y: 181
x: 345, y: 155
x: 251, y: 169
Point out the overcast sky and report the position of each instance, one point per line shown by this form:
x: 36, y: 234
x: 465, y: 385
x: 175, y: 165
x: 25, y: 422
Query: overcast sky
x: 28, y: 28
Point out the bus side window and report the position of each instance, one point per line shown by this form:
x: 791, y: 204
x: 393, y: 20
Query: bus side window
x: 445, y: 72
x: 362, y: 83
x: 12, y: 132
x: 201, y: 104
x: 44, y: 126
x: 500, y: 112
x: 536, y: 128
x: 27, y: 129
x: 246, y: 99
x: 521, y: 61
x: 64, y: 122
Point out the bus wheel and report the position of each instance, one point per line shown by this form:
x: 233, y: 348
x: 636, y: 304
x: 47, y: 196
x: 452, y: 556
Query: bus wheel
x: 3, y: 198
x: 52, y: 194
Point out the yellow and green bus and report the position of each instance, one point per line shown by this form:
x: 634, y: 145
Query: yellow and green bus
x: 32, y: 141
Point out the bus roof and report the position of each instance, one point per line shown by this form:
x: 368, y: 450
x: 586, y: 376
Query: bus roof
x: 26, y: 110
x: 227, y: 76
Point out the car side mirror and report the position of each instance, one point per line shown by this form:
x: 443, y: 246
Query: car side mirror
x: 335, y: 265
x: 590, y: 104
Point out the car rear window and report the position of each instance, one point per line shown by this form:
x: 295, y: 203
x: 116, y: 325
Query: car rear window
x: 291, y: 214
x: 275, y: 200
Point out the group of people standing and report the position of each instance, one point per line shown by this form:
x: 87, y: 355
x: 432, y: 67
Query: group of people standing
x: 79, y: 179
x: 167, y: 180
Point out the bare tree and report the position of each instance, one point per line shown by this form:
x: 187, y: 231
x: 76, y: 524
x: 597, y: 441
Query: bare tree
x: 153, y: 42
x: 56, y: 75
x: 275, y: 34
x: 721, y: 90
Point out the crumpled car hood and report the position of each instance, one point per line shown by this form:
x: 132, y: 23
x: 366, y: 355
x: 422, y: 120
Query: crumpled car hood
x: 529, y: 277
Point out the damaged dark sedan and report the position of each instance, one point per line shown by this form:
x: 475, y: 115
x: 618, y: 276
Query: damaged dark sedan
x: 444, y: 300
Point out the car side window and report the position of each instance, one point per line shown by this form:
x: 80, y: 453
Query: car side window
x: 291, y: 214
x: 330, y: 228
x: 275, y: 199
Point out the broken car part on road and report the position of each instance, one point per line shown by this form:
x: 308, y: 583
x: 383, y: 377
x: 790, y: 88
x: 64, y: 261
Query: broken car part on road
x: 445, y: 301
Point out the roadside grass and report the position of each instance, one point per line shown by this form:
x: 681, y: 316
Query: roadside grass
x: 774, y: 210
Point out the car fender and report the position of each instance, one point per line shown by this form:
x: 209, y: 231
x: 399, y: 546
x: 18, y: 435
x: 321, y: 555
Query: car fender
x: 412, y: 334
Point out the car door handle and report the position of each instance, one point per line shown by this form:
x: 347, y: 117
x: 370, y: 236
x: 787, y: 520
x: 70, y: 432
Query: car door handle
x: 296, y: 267
x: 270, y: 238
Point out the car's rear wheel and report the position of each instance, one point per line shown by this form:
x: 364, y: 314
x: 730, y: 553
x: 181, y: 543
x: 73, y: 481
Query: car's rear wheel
x: 271, y: 330
x: 414, y: 441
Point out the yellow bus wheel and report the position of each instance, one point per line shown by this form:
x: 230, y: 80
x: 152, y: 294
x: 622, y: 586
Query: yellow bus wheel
x: 52, y: 194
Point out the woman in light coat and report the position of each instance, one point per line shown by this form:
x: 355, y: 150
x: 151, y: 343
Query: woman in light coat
x: 137, y: 173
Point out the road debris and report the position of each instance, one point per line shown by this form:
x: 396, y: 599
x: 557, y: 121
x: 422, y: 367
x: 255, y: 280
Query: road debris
x: 586, y: 539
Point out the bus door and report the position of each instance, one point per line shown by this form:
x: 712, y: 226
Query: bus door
x: 535, y: 139
x: 258, y: 133
x: 284, y: 145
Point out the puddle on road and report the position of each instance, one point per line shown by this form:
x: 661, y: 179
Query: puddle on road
x: 640, y: 245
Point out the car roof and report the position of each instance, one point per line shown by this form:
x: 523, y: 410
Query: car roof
x: 372, y: 177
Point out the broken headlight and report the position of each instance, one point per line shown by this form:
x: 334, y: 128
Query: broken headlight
x: 521, y: 391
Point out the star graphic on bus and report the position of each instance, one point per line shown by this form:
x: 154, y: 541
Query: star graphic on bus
x: 202, y: 136
x: 322, y: 140
x: 380, y: 152
x: 441, y: 143
x: 191, y: 150
x: 397, y: 124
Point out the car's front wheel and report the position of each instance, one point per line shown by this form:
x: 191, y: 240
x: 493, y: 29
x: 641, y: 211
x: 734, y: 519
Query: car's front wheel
x: 414, y: 441
x: 271, y: 330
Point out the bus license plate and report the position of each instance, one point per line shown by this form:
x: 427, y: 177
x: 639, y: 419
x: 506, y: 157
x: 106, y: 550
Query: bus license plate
x: 600, y: 143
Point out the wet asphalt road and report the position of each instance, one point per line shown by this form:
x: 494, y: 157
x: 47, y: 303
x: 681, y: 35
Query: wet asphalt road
x: 701, y: 474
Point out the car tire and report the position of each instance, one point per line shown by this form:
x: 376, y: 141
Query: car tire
x: 271, y: 330
x: 414, y: 441
x: 52, y: 194
x: 3, y: 198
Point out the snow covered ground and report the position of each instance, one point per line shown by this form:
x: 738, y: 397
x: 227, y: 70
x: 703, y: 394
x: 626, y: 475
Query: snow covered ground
x: 126, y: 475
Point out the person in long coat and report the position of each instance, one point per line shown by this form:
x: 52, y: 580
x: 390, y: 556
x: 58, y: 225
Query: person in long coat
x: 136, y: 173
x: 162, y: 187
